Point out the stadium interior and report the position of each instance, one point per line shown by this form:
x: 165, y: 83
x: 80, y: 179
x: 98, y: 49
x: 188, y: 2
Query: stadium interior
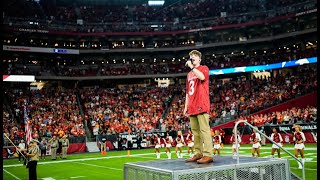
x: 113, y: 68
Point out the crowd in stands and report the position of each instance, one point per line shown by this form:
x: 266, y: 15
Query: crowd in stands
x: 137, y: 109
x: 289, y: 116
x: 140, y: 109
x: 9, y: 127
x: 50, y: 113
x: 177, y: 16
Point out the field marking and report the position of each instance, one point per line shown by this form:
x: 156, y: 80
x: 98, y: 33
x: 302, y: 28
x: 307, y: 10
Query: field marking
x: 11, y: 174
x: 83, y: 159
x: 77, y: 177
x: 119, y: 156
x: 99, y: 166
x: 305, y: 169
x: 48, y: 178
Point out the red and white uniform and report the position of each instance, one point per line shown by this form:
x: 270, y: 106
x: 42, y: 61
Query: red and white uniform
x: 168, y: 141
x: 255, y: 138
x: 297, y: 137
x: 157, y: 142
x: 233, y: 140
x: 216, y: 142
x: 276, y: 137
x: 198, y: 92
x: 179, y: 141
x: 190, y: 139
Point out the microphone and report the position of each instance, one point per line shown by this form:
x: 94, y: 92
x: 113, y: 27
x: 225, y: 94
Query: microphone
x: 189, y: 60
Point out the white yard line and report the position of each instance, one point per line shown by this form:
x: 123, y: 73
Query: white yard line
x: 75, y: 177
x: 99, y: 166
x: 133, y: 155
x: 305, y: 169
x: 11, y: 174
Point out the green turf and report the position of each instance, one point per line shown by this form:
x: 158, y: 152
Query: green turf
x: 111, y: 165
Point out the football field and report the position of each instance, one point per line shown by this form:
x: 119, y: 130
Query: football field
x: 94, y: 166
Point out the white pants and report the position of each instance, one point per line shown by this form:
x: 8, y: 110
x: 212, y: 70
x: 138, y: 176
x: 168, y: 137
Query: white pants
x: 168, y: 145
x: 157, y: 146
x: 179, y: 145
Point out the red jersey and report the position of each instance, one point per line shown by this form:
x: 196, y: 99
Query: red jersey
x: 190, y: 137
x: 157, y: 140
x: 217, y: 139
x: 298, y: 136
x: 276, y: 137
x: 198, y: 92
x: 179, y: 139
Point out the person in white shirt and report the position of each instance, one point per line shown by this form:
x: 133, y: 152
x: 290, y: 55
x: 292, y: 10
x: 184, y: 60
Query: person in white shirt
x: 255, y: 141
x: 233, y: 141
x: 21, y: 149
x: 299, y: 140
x: 276, y: 137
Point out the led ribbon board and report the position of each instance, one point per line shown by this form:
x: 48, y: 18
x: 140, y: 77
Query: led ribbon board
x: 18, y: 78
x: 285, y: 64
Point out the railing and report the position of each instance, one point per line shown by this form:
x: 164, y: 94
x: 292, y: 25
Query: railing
x: 237, y: 143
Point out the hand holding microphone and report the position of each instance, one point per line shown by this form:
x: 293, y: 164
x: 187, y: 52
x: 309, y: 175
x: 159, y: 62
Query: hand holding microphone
x: 189, y: 63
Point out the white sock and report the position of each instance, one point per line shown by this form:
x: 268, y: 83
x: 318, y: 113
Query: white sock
x: 190, y: 154
x: 169, y: 155
x: 181, y: 155
x: 272, y: 156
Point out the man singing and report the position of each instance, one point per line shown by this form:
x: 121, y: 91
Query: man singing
x: 197, y: 107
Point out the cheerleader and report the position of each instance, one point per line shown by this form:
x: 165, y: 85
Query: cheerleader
x: 168, y: 140
x: 179, y: 145
x: 255, y: 141
x: 157, y: 145
x: 190, y: 139
x: 216, y: 142
x: 233, y: 141
x: 276, y: 137
x: 299, y: 140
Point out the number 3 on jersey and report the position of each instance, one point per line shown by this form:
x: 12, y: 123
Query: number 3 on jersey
x: 191, y: 87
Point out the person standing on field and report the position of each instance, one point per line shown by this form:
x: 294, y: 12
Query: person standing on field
x: 65, y: 145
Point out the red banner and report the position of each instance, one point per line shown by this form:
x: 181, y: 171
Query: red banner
x: 76, y: 147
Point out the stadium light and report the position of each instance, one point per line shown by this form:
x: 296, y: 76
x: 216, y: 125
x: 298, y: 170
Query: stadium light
x: 155, y: 2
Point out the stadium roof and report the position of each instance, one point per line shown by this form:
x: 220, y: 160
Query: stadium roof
x: 113, y: 2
